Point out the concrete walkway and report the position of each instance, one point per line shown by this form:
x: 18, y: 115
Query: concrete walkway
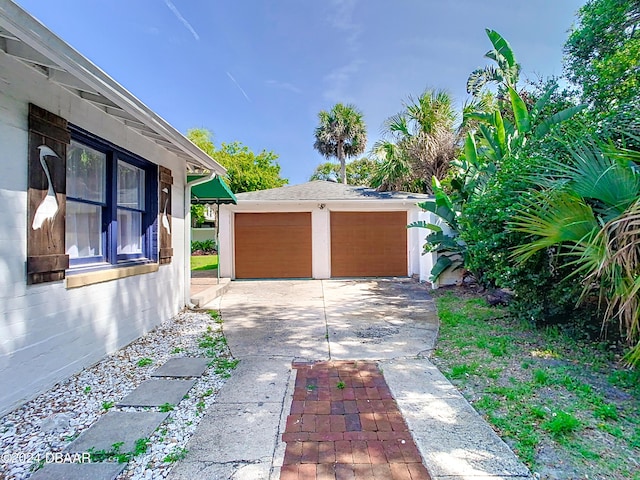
x: 271, y: 324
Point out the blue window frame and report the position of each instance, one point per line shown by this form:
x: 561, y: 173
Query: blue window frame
x: 112, y: 204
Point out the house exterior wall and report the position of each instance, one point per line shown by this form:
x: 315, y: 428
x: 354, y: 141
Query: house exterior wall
x: 47, y: 331
x: 202, y: 234
x: 321, y: 229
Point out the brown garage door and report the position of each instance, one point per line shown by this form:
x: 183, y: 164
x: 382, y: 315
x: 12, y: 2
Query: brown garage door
x: 273, y: 245
x: 368, y: 244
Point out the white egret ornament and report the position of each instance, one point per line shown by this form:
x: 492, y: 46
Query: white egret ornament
x: 165, y: 219
x: 48, y: 208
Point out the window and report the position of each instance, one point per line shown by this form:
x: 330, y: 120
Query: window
x: 111, y: 204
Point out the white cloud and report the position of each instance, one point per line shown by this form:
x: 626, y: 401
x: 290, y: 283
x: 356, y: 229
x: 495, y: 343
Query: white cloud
x: 342, y: 18
x: 339, y: 80
x: 283, y: 85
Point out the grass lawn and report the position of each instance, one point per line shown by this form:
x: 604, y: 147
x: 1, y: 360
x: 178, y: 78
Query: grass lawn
x: 204, y: 262
x: 567, y: 408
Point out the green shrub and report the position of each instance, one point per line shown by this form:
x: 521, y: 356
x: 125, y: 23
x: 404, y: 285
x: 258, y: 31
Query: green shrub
x: 539, y: 291
x: 206, y: 246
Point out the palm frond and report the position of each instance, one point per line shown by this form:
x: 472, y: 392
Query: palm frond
x: 553, y: 218
x: 596, y: 174
x: 480, y: 77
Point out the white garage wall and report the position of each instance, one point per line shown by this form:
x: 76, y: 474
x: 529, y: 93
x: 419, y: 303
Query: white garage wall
x: 321, y: 243
x: 48, y: 332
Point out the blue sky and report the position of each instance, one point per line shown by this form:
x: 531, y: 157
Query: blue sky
x: 260, y: 71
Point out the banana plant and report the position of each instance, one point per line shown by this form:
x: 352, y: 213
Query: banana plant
x: 494, y: 139
x: 449, y: 246
x: 505, y: 72
x: 500, y: 138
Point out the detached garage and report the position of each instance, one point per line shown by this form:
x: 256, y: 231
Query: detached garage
x: 322, y: 230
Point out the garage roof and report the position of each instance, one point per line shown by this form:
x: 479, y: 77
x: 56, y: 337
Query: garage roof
x: 25, y: 38
x: 322, y: 190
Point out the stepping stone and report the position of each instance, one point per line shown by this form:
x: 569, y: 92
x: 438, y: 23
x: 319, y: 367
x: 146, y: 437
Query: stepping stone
x: 115, y: 427
x: 156, y: 392
x: 79, y: 471
x: 183, y: 367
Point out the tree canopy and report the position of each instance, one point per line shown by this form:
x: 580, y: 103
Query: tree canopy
x: 246, y: 171
x: 359, y: 172
x: 341, y: 133
x: 602, y: 53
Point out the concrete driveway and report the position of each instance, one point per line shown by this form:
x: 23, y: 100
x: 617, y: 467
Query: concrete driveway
x: 329, y: 319
x: 270, y: 324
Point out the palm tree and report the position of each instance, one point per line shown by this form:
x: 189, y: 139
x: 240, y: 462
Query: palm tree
x: 589, y: 211
x: 420, y: 143
x: 393, y: 171
x: 341, y: 134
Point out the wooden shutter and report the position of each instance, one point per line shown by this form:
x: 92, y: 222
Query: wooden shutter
x: 46, y: 196
x: 165, y: 181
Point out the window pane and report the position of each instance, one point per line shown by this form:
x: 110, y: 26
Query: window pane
x: 129, y: 231
x: 130, y: 186
x: 83, y: 236
x: 86, y: 169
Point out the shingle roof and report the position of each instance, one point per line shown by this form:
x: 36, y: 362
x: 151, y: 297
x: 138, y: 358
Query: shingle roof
x: 323, y: 190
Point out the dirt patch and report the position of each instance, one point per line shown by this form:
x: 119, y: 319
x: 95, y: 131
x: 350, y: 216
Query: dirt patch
x: 375, y: 334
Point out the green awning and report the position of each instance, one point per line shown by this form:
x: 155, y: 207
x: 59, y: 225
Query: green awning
x: 213, y: 191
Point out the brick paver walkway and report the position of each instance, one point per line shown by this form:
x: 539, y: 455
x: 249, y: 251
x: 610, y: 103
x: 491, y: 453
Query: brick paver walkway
x: 345, y: 424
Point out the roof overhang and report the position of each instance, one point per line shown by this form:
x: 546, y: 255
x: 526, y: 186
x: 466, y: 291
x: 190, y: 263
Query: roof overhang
x: 28, y: 40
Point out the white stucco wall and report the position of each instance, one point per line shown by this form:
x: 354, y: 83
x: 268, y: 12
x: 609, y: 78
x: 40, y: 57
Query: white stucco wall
x: 48, y: 332
x: 202, y: 234
x: 321, y: 229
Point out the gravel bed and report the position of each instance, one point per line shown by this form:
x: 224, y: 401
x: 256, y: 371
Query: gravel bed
x: 46, y: 424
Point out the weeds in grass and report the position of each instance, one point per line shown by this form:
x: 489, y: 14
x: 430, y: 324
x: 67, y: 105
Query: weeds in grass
x: 144, y: 362
x: 216, y: 316
x: 141, y: 446
x: 561, y: 423
x: 558, y: 402
x: 70, y: 438
x: 606, y: 411
x: 214, y: 344
x: 223, y: 366
x: 37, y: 464
x: 176, y: 455
x: 627, y: 379
x: 540, y: 376
x: 215, y: 347
x: 464, y: 370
